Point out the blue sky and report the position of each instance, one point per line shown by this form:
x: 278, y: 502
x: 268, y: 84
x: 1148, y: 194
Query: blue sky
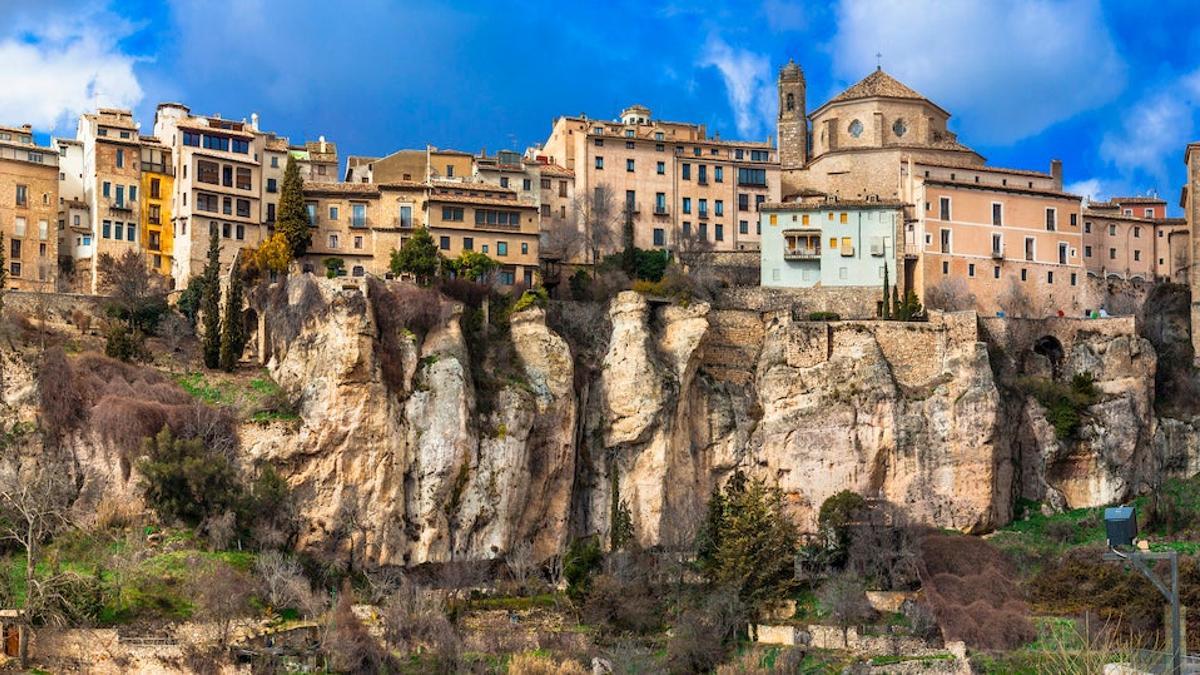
x: 1111, y: 88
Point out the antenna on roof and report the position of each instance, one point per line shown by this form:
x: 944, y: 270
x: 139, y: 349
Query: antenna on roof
x: 878, y: 61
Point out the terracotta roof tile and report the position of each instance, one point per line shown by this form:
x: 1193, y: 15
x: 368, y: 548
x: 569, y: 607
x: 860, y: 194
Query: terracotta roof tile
x: 877, y: 84
x: 555, y: 170
x: 364, y: 189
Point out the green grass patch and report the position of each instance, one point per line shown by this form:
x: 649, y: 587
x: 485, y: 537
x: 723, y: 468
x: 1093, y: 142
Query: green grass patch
x: 515, y: 603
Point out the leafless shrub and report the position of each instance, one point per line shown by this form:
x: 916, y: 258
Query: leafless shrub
x: 623, y: 605
x: 382, y: 582
x: 415, y: 618
x: 114, y: 513
x: 347, y: 645
x: 1018, y: 303
x: 702, y: 634
x: 174, y: 329
x: 535, y: 664
x: 845, y: 597
x: 949, y: 294
x: 221, y: 598
x: 282, y: 580
x: 607, y: 284
x: 884, y: 548
x: 220, y: 530
x: 469, y: 293
x: 519, y: 562
x: 61, y: 404
x: 787, y: 661
x: 82, y: 321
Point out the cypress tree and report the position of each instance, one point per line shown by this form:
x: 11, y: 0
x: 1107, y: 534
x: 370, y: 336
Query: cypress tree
x: 210, y: 304
x: 886, y: 311
x: 292, y: 222
x: 233, y: 337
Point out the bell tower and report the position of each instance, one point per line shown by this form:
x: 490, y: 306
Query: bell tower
x: 793, y: 122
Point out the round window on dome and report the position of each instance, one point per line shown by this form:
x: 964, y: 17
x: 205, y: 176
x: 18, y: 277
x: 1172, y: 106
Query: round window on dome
x: 899, y: 127
x: 856, y: 128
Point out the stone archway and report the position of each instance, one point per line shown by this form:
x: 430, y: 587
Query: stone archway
x: 1052, y: 349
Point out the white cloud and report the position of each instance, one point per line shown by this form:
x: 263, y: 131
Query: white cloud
x: 1094, y: 189
x: 1154, y: 130
x: 53, y: 72
x: 748, y: 85
x: 1006, y: 70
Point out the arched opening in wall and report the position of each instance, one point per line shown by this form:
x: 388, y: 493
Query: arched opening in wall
x: 1049, y: 347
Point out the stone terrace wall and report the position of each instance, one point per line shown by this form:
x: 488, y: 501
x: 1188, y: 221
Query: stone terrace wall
x: 1001, y: 332
x: 732, y: 344
x: 851, y: 302
x: 916, y: 351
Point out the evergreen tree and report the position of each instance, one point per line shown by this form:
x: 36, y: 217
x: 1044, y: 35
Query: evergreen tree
x: 629, y: 255
x: 233, y: 338
x: 210, y: 304
x: 887, y: 301
x: 418, y: 256
x: 292, y: 221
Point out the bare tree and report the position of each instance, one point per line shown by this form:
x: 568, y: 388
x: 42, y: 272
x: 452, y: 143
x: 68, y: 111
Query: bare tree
x: 281, y: 579
x: 519, y: 561
x: 562, y: 238
x: 598, y: 215
x: 950, y: 294
x: 221, y: 596
x: 1017, y: 303
x: 845, y: 597
x: 32, y: 510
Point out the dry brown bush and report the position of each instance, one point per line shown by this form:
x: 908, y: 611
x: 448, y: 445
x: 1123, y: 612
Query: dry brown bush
x: 347, y: 644
x: 62, y: 405
x: 470, y: 293
x: 969, y: 586
x: 949, y: 294
x: 113, y: 513
x: 401, y: 308
x: 536, y: 664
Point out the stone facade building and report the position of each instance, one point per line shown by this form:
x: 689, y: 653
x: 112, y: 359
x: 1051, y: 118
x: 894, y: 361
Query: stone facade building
x: 28, y: 209
x: 112, y: 181
x: 1007, y: 236
x: 1131, y: 238
x: 675, y: 182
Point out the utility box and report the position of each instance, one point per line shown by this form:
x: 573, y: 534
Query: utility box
x: 1120, y: 526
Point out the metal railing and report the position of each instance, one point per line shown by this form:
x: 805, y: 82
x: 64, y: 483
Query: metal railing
x: 661, y: 210
x: 801, y: 253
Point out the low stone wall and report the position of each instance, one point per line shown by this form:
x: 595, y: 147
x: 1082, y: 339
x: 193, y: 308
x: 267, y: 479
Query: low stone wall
x: 1002, y: 332
x: 851, y: 302
x: 732, y: 344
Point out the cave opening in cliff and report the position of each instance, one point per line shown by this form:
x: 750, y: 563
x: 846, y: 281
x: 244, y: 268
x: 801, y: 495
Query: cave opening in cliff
x: 1049, y: 347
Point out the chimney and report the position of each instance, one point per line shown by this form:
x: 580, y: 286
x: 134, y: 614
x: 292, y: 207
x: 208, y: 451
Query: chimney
x: 1056, y: 173
x: 254, y: 121
x: 26, y: 127
x: 321, y: 140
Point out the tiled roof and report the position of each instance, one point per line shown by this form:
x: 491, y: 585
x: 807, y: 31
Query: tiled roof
x: 355, y: 160
x: 832, y: 205
x: 404, y: 184
x: 555, y: 170
x: 877, y: 84
x: 484, y: 201
x: 1014, y: 189
x: 315, y: 154
x: 1138, y: 200
x: 364, y: 189
x: 276, y: 144
x: 983, y: 168
x: 463, y: 185
x: 200, y: 126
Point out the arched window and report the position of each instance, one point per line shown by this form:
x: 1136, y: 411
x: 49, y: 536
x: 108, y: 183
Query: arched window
x: 791, y: 101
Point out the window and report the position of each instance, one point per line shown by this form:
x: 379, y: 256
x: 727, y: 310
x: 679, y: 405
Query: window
x: 598, y: 142
x: 106, y: 229
x: 333, y: 241
x: 452, y: 213
x: 687, y: 204
x: 562, y: 188
x: 944, y: 242
x: 1051, y: 217
x: 274, y: 161
x: 944, y: 208
x: 719, y: 232
x: 659, y: 237
x: 687, y: 172
x: 702, y: 231
x: 660, y: 168
x: 660, y: 202
x: 449, y: 171
x: 752, y: 176
x: 1112, y: 230
x: 743, y: 227
x: 844, y: 218
x: 599, y: 162
x: 739, y: 153
x: 333, y: 213
x: 1087, y: 227
x: 227, y: 176
x: 658, y: 136
x: 1030, y: 249
x: 1112, y: 254
x: 155, y: 188
x: 242, y: 146
x: 358, y: 215
x: 629, y: 165
x: 502, y: 248
x: 1062, y: 254
x: 206, y: 172
x: 207, y: 202
x: 997, y: 246
x: 405, y: 215
x: 1137, y: 232
x: 1073, y: 278
x: 226, y: 230
x: 191, y: 138
x: 703, y: 208
x: 23, y: 195
x: 312, y: 213
x: 1024, y: 275
x: 1149, y: 213
x: 995, y: 271
x: 1137, y: 255
x: 504, y: 181
x: 120, y: 158
x: 545, y: 183
x: 444, y: 243
x: 270, y: 213
x: 743, y: 202
x: 1074, y: 220
x: 997, y: 213
x: 272, y: 186
x: 719, y: 207
x: 719, y: 174
x: 243, y: 178
x: 702, y: 174
x: 216, y: 143
x: 506, y: 277
x: 1050, y: 277
x: 468, y: 243
x: 155, y: 214
x: 971, y: 269
x: 526, y: 184
x: 1087, y: 251
x: 14, y: 268
x: 243, y: 208
x: 524, y: 248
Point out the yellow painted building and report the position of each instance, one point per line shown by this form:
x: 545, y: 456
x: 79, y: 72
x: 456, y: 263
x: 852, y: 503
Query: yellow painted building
x: 158, y: 184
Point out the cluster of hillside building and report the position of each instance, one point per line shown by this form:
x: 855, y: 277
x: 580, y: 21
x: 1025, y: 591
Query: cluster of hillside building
x: 869, y: 184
